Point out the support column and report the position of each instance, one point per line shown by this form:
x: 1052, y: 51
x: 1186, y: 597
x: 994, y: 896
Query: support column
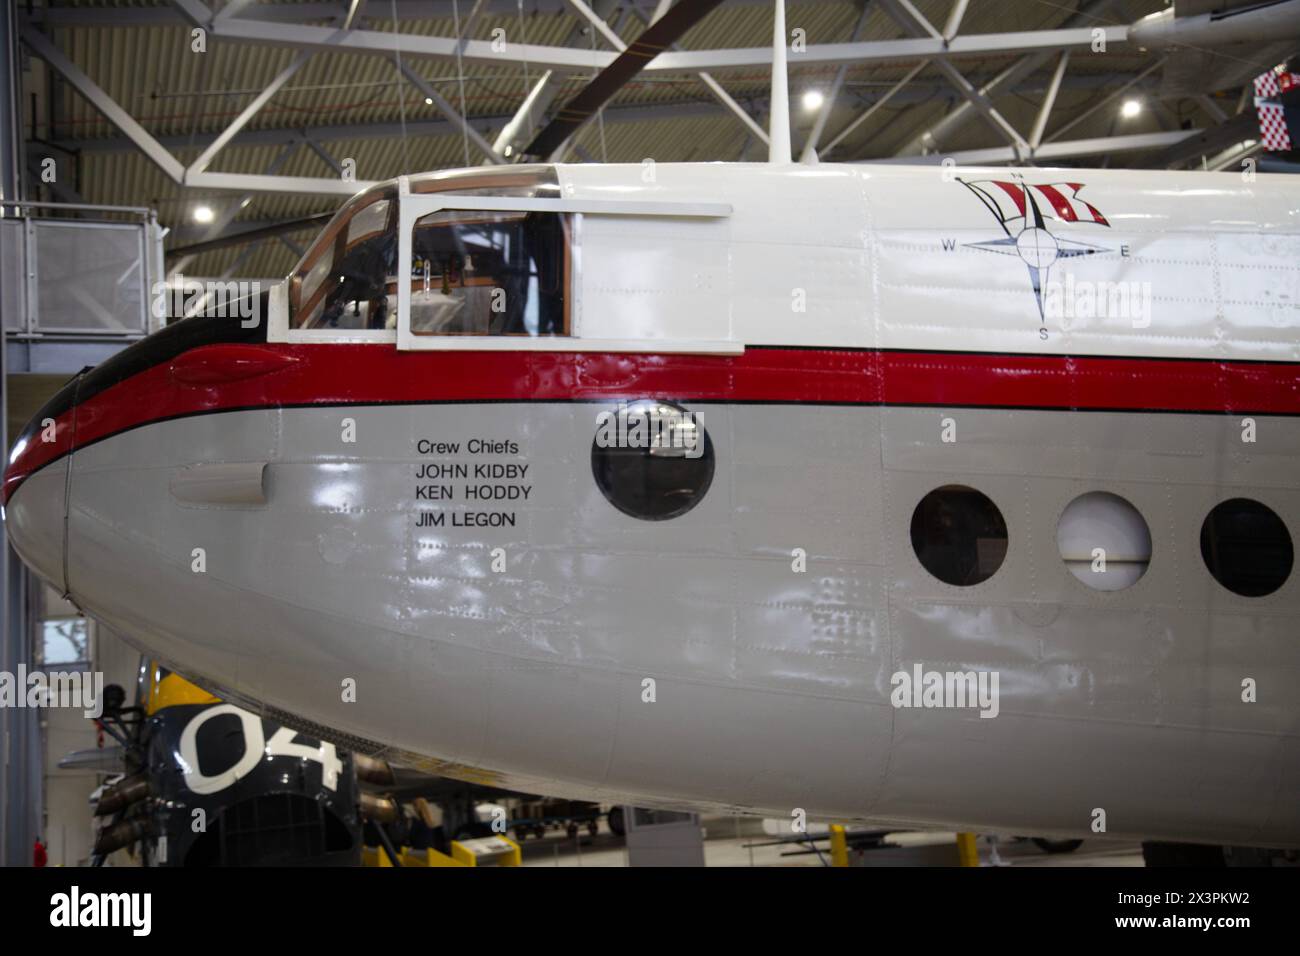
x: 10, y: 121
x: 20, y: 743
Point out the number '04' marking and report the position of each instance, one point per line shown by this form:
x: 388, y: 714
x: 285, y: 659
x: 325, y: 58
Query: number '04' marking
x: 281, y: 744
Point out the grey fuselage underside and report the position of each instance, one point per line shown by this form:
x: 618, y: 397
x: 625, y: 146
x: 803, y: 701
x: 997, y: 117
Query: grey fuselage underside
x: 771, y: 686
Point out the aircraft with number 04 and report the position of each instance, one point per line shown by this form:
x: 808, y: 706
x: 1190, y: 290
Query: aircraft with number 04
x: 932, y: 497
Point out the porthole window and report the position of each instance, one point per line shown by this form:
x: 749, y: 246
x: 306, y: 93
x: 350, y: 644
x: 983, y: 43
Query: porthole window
x: 959, y: 535
x: 652, y: 460
x: 1247, y: 547
x: 1104, y: 541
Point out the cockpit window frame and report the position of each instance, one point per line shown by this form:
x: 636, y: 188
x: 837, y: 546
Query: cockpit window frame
x: 527, y: 189
x: 564, y: 277
x: 335, y: 238
x: 525, y: 181
x: 414, y: 207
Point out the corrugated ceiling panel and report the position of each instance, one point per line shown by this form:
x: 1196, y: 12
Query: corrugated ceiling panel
x: 186, y: 98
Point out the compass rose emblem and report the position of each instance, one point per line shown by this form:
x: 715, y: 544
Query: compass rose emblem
x: 1019, y: 208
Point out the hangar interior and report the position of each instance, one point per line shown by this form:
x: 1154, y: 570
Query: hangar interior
x: 154, y: 146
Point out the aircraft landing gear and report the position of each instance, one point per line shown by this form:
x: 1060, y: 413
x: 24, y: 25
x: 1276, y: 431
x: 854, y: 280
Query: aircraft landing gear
x: 1057, y: 846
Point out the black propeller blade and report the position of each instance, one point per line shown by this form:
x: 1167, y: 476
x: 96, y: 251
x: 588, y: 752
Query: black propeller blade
x: 252, y: 235
x: 657, y: 37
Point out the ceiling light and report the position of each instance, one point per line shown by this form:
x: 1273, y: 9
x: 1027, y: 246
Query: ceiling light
x: 813, y: 100
x: 1130, y: 109
x: 203, y: 214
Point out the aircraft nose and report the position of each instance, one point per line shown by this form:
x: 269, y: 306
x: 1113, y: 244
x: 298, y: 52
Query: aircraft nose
x: 35, y: 481
x: 34, y: 518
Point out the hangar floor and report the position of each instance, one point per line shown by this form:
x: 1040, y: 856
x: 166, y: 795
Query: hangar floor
x: 733, y: 841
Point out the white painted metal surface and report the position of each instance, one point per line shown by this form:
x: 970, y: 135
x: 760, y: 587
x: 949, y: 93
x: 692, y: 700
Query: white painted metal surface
x: 773, y: 687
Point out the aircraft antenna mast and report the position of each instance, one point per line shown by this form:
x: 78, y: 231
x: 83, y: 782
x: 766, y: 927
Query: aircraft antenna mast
x: 778, y: 131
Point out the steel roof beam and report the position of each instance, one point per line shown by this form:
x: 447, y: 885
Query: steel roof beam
x: 591, y: 99
x: 158, y: 154
x: 354, y: 10
x: 194, y: 12
x: 324, y: 154
x: 955, y: 16
x: 809, y: 153
x: 385, y: 130
x: 911, y: 20
x: 384, y: 43
x: 470, y: 22
x: 297, y: 250
x: 887, y: 51
x: 649, y: 19
x: 710, y: 83
x: 137, y: 134
x: 235, y: 8
x: 1045, y: 109
x: 236, y: 205
x: 878, y: 104
x: 452, y: 114
x: 601, y: 27
x: 1104, y: 101
x: 252, y: 109
x: 288, y: 12
x: 905, y: 93
x: 520, y: 128
x: 934, y: 136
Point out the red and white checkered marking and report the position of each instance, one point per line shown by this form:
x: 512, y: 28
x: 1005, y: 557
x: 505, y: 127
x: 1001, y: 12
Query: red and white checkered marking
x: 1266, y: 85
x: 1272, y: 127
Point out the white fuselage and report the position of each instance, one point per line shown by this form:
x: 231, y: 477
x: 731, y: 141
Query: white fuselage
x: 862, y: 336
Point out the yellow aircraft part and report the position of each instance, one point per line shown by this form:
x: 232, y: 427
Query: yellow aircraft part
x: 839, y: 846
x: 377, y: 856
x: 173, y: 690
x: 967, y: 852
x: 460, y: 856
x: 505, y: 853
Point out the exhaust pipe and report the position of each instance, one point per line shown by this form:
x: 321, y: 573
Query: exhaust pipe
x: 373, y: 770
x: 122, y: 834
x: 378, y: 809
x: 122, y: 794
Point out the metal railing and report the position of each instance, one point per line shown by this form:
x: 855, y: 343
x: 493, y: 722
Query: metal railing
x: 88, y: 278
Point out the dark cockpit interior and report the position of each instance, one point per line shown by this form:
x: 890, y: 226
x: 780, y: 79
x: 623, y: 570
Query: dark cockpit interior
x: 472, y: 272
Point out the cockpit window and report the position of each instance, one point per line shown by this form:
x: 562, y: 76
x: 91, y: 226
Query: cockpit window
x: 489, y: 273
x: 355, y: 259
x: 369, y: 222
x: 348, y: 278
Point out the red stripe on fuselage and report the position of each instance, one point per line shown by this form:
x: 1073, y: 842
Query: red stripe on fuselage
x: 338, y: 374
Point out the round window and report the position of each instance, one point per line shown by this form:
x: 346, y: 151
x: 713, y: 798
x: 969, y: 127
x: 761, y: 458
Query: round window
x: 1104, y: 541
x: 1247, y: 547
x: 652, y: 460
x: 959, y: 535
